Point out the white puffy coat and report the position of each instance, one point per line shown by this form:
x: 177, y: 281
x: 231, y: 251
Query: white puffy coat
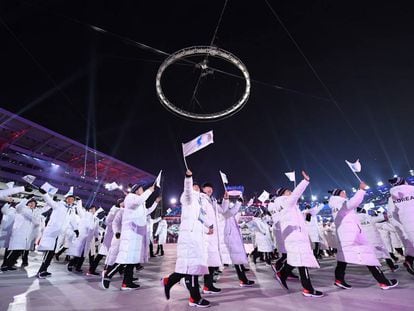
x: 6, y: 226
x: 353, y: 246
x: 191, y: 244
x: 294, y: 230
x: 215, y: 241
x: 389, y: 236
x: 109, y: 233
x: 277, y: 231
x: 59, y: 220
x: 262, y: 234
x: 394, y: 219
x: 133, y: 247
x: 312, y: 225
x: 151, y: 222
x: 403, y: 199
x: 26, y: 221
x: 369, y: 228
x: 88, y: 231
x: 8, y: 192
x: 116, y: 227
x: 232, y: 251
x: 162, y: 232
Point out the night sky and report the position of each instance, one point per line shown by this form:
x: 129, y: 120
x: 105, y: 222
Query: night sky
x: 56, y: 71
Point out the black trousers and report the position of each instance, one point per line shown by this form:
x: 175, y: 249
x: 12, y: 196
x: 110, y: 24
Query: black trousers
x: 11, y: 258
x: 25, y: 257
x: 375, y: 271
x: 47, y: 258
x: 303, y: 273
x: 240, y: 273
x: 93, y: 264
x: 390, y: 263
x: 281, y: 261
x: 208, y: 278
x: 316, y: 250
x: 128, y: 272
x: 191, y: 282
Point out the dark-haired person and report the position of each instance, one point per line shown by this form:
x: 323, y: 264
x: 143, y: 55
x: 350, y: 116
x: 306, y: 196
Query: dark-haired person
x: 133, y: 248
x: 401, y: 215
x: 27, y: 220
x: 62, y: 216
x: 191, y: 245
x: 353, y: 246
x: 296, y: 237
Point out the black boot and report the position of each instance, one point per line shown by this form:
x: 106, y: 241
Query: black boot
x: 162, y: 249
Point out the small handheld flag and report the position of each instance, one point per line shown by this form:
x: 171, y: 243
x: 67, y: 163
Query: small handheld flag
x: 29, y: 179
x: 355, y: 168
x: 49, y: 188
x: 264, y: 196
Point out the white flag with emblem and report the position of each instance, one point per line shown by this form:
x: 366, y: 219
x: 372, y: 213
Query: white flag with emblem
x: 112, y: 186
x: 291, y: 176
x: 49, y: 188
x: 158, y: 180
x: 29, y: 179
x: 198, y: 143
x: 224, y: 177
x: 355, y: 167
x: 70, y: 192
x: 264, y: 196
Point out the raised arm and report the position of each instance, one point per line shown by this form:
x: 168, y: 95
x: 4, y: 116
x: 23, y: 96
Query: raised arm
x: 49, y: 201
x: 187, y: 196
x: 297, y: 193
x: 356, y: 200
x: 8, y: 192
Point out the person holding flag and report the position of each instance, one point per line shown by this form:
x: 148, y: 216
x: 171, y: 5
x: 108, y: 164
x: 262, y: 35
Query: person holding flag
x: 353, y: 246
x: 296, y: 238
x: 191, y: 246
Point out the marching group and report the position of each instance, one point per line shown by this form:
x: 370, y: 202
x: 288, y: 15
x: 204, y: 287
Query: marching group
x: 210, y: 235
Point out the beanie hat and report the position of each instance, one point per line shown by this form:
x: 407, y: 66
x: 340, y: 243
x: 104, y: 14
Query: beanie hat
x: 281, y: 191
x: 396, y: 181
x: 335, y: 192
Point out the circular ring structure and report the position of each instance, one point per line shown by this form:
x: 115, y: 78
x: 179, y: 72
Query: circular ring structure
x: 207, y: 51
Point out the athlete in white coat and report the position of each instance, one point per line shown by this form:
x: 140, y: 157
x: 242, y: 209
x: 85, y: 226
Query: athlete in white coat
x: 161, y: 233
x: 133, y: 248
x: 353, y: 246
x: 150, y: 226
x: 9, y: 192
x: 60, y: 219
x: 296, y: 236
x: 402, y: 196
x: 215, y: 241
x: 88, y: 232
x: 311, y: 222
x: 233, y: 252
x: 191, y: 245
x: 26, y: 220
x: 6, y: 226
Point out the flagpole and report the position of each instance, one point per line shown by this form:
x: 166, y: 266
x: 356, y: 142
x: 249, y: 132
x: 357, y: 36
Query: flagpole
x: 356, y: 175
x: 185, y: 162
x: 294, y: 181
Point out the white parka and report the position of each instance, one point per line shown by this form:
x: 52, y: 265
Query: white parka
x: 162, y: 232
x: 59, y: 220
x: 215, y: 241
x: 369, y: 228
x: 232, y: 252
x: 133, y: 247
x: 389, y: 236
x: 277, y: 231
x: 191, y: 244
x: 88, y: 231
x: 26, y: 221
x: 109, y: 233
x: 8, y: 192
x: 262, y: 234
x: 353, y: 246
x: 6, y: 226
x: 394, y: 219
x: 403, y: 199
x: 294, y: 230
x: 116, y: 228
x: 312, y: 225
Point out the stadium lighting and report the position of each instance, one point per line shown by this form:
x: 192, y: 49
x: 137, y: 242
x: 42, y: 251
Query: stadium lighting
x: 380, y: 183
x: 314, y: 198
x: 395, y: 176
x: 411, y: 172
x: 368, y: 187
x: 54, y: 165
x: 354, y: 190
x: 173, y: 200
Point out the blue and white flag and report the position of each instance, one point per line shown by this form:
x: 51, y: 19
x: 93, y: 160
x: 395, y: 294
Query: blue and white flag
x: 49, y: 188
x: 29, y: 179
x: 355, y: 167
x: 198, y: 143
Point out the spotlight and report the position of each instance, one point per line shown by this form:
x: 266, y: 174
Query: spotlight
x: 173, y: 200
x: 314, y: 198
x: 411, y: 172
x: 380, y: 183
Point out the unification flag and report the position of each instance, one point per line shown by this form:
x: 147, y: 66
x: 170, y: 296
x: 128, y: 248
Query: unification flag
x: 198, y: 143
x: 158, y: 180
x: 224, y: 177
x: 291, y: 176
x: 112, y: 186
x: 49, y: 188
x: 264, y: 196
x: 70, y: 192
x: 29, y: 179
x: 355, y: 167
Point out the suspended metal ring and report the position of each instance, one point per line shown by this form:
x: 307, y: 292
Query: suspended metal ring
x: 206, y: 51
